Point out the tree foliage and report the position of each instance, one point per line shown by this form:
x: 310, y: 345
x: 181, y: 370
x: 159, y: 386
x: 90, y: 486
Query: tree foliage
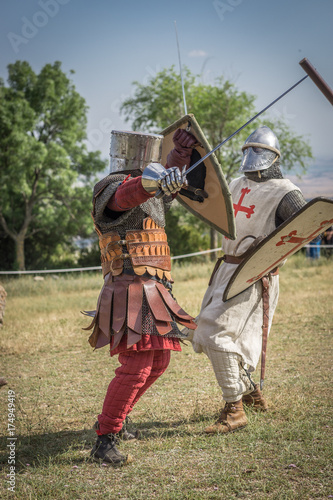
x: 183, y: 234
x: 46, y: 173
x: 220, y: 110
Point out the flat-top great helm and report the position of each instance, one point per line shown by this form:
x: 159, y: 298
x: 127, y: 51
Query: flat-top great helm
x: 260, y: 150
x: 133, y: 150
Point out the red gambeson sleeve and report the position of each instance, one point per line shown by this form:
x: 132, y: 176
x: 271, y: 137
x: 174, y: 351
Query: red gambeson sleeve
x: 129, y: 194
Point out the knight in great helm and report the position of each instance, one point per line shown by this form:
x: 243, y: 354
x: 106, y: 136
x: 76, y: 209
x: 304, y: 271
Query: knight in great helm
x: 230, y: 333
x: 136, y: 314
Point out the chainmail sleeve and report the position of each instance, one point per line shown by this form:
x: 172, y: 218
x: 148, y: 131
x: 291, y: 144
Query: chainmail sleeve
x: 101, y: 217
x: 106, y: 220
x: 290, y: 203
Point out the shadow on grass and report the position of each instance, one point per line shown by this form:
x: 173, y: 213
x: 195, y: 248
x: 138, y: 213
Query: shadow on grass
x: 154, y: 429
x: 39, y: 449
x: 73, y: 447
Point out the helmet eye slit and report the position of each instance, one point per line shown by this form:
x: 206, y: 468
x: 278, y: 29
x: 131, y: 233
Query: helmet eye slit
x: 260, y: 150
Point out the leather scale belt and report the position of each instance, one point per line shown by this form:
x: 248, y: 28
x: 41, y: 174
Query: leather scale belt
x: 147, y: 249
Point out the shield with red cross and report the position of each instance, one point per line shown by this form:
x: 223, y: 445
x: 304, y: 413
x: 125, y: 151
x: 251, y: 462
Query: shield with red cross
x: 300, y: 229
x: 217, y: 208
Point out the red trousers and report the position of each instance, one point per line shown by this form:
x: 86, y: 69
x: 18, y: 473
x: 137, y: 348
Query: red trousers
x: 137, y: 372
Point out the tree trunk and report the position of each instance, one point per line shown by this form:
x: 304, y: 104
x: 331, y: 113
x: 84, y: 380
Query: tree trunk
x: 19, y: 238
x: 20, y: 260
x: 213, y: 243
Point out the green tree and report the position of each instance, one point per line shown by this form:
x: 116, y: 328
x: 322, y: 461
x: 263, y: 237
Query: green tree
x: 220, y: 110
x: 46, y: 172
x: 183, y: 234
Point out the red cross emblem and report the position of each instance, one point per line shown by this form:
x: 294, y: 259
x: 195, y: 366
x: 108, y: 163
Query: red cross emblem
x: 291, y: 238
x: 297, y: 243
x: 240, y: 208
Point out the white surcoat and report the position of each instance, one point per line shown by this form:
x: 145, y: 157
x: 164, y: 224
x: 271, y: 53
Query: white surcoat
x: 236, y: 325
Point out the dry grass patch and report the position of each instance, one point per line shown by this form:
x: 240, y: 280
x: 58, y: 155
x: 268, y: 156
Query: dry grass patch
x: 60, y: 383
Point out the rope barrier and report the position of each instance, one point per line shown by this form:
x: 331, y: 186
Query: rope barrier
x: 98, y: 268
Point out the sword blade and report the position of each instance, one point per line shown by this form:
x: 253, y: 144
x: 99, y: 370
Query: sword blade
x: 181, y: 70
x: 243, y: 126
x: 160, y: 193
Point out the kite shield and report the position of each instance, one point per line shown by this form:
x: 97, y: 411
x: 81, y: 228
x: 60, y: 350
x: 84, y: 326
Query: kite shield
x: 287, y: 239
x: 217, y: 209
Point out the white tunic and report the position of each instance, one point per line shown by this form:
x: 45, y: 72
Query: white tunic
x: 236, y: 325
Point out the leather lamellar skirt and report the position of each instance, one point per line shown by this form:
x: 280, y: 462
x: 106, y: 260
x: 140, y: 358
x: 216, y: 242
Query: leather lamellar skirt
x: 135, y: 305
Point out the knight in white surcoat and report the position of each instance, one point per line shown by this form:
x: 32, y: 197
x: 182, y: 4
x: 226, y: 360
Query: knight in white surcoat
x: 230, y: 333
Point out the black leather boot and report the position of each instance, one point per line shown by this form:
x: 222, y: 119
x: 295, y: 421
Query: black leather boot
x: 105, y: 450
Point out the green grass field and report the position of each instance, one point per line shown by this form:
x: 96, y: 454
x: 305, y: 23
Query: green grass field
x: 59, y: 384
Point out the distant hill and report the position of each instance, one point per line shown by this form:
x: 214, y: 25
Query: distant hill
x: 318, y: 180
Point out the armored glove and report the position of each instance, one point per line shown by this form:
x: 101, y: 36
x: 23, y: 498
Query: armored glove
x: 181, y: 154
x: 156, y: 177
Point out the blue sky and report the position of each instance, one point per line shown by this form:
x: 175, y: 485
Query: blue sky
x: 255, y: 43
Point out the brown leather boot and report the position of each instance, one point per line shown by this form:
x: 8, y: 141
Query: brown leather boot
x: 256, y: 400
x: 232, y: 418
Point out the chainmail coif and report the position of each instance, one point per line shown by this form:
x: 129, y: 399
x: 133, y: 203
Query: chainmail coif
x: 273, y: 172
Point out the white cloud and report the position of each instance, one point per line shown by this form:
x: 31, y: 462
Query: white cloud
x: 198, y: 53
